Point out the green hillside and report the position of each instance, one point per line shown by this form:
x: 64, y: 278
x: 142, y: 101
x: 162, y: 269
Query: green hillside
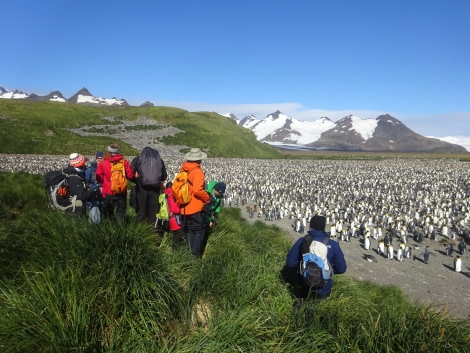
x: 30, y: 127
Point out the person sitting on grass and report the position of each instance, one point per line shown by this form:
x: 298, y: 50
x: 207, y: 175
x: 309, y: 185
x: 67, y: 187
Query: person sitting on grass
x: 335, y: 259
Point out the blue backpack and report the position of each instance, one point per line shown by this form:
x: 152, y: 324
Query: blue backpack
x: 314, y: 266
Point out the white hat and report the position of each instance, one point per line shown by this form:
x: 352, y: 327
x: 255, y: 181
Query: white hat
x: 195, y: 155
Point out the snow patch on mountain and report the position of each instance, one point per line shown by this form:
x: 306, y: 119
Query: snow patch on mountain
x: 13, y: 95
x: 365, y: 127
x: 311, y: 130
x: 249, y: 122
x: 295, y: 131
x: 56, y: 98
x: 97, y: 100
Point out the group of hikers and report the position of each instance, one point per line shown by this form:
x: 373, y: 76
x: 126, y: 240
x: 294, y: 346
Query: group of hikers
x: 100, y: 189
x: 191, y: 209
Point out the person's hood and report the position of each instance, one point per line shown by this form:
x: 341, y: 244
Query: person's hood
x: 189, y: 165
x: 114, y: 157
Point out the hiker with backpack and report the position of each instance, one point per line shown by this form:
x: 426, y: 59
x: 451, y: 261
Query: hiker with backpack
x: 94, y: 212
x: 169, y: 217
x: 90, y: 172
x: 174, y: 217
x: 113, y: 173
x: 312, y: 261
x: 191, y: 180
x: 73, y: 191
x: 149, y: 173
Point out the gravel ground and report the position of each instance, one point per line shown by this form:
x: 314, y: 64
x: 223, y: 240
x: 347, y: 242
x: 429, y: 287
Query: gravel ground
x: 435, y: 283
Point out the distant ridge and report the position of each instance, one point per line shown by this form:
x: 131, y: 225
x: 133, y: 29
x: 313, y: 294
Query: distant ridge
x: 351, y: 133
x: 83, y: 96
x: 385, y: 133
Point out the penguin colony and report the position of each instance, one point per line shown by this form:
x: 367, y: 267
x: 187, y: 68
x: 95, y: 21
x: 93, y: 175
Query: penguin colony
x: 394, y: 201
x: 404, y: 203
x: 407, y: 209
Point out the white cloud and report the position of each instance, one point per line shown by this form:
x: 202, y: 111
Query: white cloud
x: 463, y: 141
x: 294, y: 110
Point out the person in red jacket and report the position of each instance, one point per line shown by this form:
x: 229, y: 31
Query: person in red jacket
x: 174, y: 218
x: 113, y: 201
x: 194, y: 223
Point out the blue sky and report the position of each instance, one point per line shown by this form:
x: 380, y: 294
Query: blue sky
x: 307, y: 58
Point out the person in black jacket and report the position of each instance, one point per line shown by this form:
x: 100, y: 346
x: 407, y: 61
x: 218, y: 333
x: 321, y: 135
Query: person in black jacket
x: 78, y: 191
x: 149, y: 173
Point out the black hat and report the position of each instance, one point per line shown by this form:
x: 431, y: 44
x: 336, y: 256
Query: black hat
x: 318, y: 223
x: 220, y: 187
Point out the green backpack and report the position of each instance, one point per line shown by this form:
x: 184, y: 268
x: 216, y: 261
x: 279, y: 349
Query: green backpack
x: 163, y: 214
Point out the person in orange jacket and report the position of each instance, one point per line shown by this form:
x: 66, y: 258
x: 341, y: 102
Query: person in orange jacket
x: 113, y: 201
x: 194, y: 223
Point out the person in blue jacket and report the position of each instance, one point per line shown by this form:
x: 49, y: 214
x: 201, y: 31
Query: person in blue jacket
x: 335, y: 258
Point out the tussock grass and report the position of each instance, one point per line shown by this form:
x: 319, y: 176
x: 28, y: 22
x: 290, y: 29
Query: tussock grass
x: 70, y: 286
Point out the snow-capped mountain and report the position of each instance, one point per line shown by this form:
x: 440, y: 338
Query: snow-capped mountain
x: 248, y: 122
x: 280, y: 128
x: 81, y: 97
x: 351, y: 133
x: 12, y: 94
x: 54, y: 96
x: 84, y: 96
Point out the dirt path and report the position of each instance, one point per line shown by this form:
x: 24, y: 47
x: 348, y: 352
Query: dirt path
x: 435, y: 283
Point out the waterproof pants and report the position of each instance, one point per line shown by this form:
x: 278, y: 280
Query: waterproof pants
x: 114, y: 202
x: 194, y: 229
x: 147, y: 204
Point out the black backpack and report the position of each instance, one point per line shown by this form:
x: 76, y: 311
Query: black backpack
x: 150, y: 169
x: 57, y: 190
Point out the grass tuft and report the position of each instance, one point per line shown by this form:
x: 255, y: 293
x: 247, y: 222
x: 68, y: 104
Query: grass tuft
x: 70, y: 286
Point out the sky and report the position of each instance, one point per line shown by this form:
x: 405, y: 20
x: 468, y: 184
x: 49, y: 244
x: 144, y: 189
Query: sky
x: 306, y: 58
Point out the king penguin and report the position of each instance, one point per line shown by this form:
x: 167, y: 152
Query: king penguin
x: 458, y: 264
x: 367, y: 242
x: 400, y: 254
x: 381, y: 248
x: 408, y: 251
x: 426, y: 254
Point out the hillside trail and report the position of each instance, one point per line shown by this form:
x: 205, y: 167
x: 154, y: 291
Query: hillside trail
x: 435, y: 284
